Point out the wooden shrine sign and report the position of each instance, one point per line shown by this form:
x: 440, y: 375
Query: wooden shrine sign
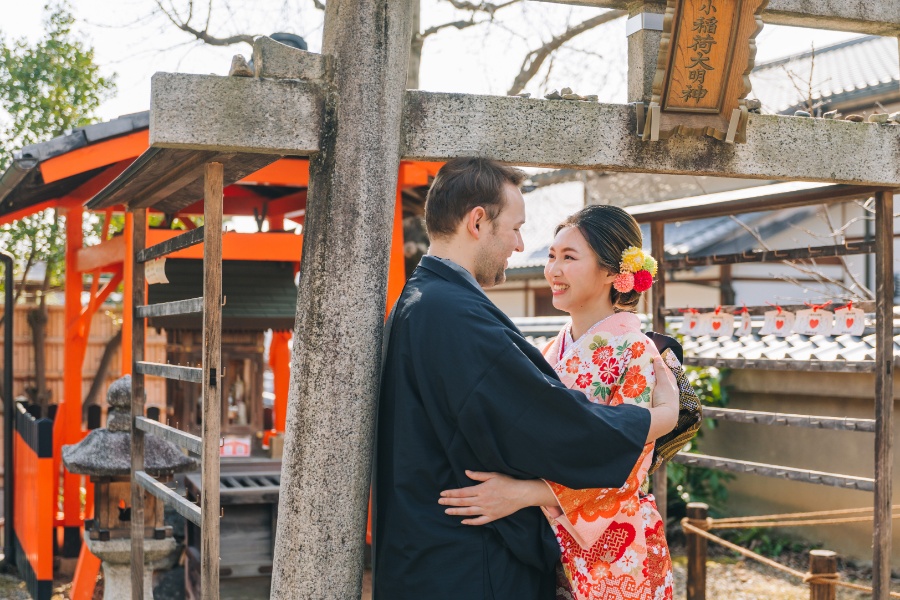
x: 706, y: 54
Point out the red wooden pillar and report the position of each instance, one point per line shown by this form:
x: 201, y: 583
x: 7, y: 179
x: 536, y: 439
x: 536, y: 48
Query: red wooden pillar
x: 127, y: 284
x: 67, y: 425
x: 280, y: 361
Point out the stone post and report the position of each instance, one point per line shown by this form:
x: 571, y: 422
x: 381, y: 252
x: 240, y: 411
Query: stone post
x: 341, y: 303
x: 644, y: 33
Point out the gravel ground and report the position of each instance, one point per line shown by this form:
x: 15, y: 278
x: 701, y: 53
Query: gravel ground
x: 748, y: 580
x: 726, y: 579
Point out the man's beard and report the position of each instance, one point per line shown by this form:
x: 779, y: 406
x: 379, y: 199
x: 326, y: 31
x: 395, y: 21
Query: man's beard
x: 490, y: 267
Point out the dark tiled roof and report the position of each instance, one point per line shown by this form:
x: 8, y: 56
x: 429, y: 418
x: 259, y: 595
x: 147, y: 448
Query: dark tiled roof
x: 259, y: 295
x: 849, y: 70
x: 21, y: 185
x: 539, y: 330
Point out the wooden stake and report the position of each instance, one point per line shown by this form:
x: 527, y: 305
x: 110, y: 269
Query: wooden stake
x: 884, y: 391
x: 697, y: 512
x: 212, y: 373
x: 657, y: 241
x: 139, y: 237
x: 822, y: 562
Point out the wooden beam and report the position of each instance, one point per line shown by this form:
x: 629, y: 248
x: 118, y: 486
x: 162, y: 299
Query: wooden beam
x: 848, y: 482
x: 96, y: 155
x: 714, y: 205
x: 292, y: 172
x: 176, y: 307
x: 179, y: 503
x: 101, y: 255
x: 876, y: 18
x: 188, y: 441
x: 770, y: 418
x: 164, y: 242
x: 270, y: 246
x: 769, y: 256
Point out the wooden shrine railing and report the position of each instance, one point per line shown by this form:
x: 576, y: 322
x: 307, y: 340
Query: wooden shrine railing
x: 209, y: 375
x: 882, y: 366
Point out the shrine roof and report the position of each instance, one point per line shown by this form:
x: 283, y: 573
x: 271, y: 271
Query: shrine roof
x: 25, y: 183
x: 854, y: 71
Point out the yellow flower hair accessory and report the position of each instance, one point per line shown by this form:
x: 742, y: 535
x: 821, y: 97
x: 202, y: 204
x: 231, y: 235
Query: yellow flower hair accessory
x: 636, y: 271
x: 633, y: 259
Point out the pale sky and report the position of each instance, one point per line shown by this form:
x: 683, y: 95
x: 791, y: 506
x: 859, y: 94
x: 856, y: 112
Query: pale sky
x: 134, y: 43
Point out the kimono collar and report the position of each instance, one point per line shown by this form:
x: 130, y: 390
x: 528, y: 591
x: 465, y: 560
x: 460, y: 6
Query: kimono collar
x: 446, y: 268
x: 617, y: 324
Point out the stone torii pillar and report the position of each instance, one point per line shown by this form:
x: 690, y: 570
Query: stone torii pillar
x: 341, y: 302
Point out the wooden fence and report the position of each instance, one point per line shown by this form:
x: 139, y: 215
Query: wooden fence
x: 104, y: 325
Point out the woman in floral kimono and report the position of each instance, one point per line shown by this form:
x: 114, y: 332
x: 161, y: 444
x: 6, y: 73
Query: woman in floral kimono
x: 612, y: 540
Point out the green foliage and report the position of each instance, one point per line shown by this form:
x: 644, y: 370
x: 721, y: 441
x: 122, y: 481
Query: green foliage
x: 697, y: 484
x: 765, y: 541
x: 46, y: 88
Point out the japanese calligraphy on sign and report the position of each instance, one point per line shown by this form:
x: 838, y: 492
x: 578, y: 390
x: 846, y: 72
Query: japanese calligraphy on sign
x: 706, y: 55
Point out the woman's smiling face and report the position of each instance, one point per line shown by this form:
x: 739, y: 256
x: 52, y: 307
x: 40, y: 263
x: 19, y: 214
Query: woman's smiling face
x: 574, y: 273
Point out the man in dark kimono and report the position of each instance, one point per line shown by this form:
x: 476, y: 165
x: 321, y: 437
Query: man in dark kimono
x: 462, y: 389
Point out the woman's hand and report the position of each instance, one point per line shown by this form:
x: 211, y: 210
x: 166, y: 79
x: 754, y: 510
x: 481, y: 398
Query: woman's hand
x: 664, y: 401
x: 496, y: 497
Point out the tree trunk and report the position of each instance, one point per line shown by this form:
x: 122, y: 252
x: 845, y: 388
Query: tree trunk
x: 100, y: 376
x: 37, y: 320
x: 415, y: 49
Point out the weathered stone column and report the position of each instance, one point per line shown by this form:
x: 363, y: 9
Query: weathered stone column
x: 341, y: 302
x: 644, y: 33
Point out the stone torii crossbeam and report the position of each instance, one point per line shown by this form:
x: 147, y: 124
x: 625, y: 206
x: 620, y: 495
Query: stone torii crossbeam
x: 348, y: 111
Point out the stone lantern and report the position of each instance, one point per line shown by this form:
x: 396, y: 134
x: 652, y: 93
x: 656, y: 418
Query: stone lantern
x: 105, y: 455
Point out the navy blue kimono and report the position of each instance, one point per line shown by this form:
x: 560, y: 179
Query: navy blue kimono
x: 463, y: 389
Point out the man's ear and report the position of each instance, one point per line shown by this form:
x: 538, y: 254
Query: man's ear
x: 476, y: 218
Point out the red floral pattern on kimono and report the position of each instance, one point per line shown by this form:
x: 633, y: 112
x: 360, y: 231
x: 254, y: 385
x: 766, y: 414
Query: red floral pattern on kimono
x: 612, y: 540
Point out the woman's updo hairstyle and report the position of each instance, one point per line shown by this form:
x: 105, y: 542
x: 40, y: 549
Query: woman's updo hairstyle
x: 609, y: 231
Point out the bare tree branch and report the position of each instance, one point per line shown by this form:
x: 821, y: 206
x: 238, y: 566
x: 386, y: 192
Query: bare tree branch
x: 819, y: 276
x: 203, y: 35
x: 840, y: 239
x: 456, y: 24
x: 535, y: 59
x: 486, y: 7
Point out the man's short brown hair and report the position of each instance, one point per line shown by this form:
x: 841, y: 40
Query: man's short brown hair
x: 463, y: 184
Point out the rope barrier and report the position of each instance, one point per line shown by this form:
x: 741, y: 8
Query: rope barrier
x: 795, y: 523
x: 699, y: 527
x: 821, y: 513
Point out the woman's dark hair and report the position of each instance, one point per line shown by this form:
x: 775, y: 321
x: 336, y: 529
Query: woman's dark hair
x: 609, y: 230
x: 461, y: 185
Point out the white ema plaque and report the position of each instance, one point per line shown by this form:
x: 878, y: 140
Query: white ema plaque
x: 693, y: 324
x: 155, y: 271
x: 849, y: 320
x: 745, y: 327
x: 814, y: 321
x: 778, y: 322
x: 721, y: 324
